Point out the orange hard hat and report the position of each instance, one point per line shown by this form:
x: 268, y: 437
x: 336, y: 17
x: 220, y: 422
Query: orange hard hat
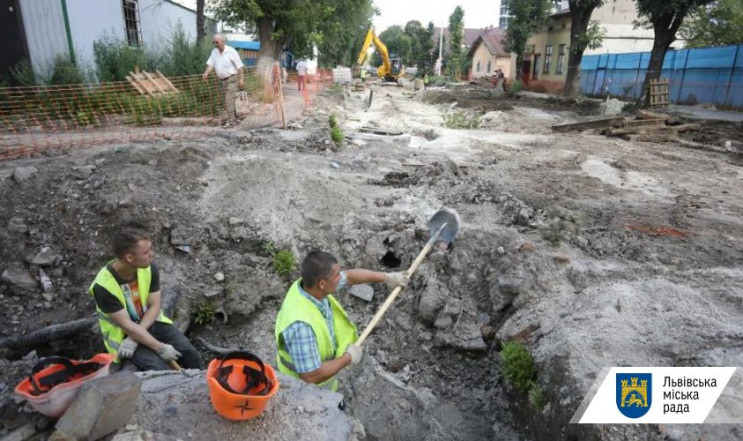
x: 55, y: 381
x: 240, y: 385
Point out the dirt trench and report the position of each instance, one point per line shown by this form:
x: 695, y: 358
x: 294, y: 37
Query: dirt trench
x: 562, y: 237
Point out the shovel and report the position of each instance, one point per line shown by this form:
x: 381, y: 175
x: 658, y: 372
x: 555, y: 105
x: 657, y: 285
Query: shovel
x: 444, y: 225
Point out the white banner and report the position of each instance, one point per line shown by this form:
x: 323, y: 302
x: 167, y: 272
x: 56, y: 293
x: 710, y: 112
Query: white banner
x: 667, y: 395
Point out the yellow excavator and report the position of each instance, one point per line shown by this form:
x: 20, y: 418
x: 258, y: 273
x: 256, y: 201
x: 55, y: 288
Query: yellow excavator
x: 391, y: 69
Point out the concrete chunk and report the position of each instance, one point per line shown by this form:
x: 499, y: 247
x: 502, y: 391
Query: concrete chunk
x: 103, y: 406
x: 363, y: 291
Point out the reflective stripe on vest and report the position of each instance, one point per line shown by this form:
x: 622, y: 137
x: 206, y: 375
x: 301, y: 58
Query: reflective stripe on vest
x: 112, y: 334
x: 297, y: 308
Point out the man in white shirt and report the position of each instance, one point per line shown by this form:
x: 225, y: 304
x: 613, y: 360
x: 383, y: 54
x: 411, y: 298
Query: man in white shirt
x: 228, y: 66
x: 301, y: 74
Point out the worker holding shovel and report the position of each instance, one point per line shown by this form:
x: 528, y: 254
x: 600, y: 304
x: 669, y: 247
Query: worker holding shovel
x: 314, y: 335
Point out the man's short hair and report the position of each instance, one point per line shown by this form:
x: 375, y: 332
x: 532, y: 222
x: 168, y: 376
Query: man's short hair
x: 316, y: 266
x: 125, y: 240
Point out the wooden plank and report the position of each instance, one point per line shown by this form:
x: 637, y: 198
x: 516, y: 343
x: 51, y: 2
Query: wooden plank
x: 164, y: 78
x: 593, y: 124
x: 643, y: 123
x: 136, y: 85
x: 379, y: 131
x: 646, y: 114
x: 686, y: 128
x: 660, y: 137
x: 149, y: 77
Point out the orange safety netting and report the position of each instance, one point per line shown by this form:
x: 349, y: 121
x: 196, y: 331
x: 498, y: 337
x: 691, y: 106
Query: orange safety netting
x: 57, y: 118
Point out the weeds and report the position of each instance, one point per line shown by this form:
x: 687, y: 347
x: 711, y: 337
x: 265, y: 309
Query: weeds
x: 518, y: 365
x: 519, y: 370
x: 205, y: 313
x: 283, y: 262
x: 336, y: 134
x: 516, y: 87
x: 460, y: 120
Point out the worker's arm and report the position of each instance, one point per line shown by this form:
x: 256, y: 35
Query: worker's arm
x: 153, y: 310
x: 134, y: 330
x: 357, y: 276
x: 208, y: 70
x: 327, y: 369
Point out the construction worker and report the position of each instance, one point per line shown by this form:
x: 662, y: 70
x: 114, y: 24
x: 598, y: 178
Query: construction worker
x: 127, y: 299
x: 362, y: 74
x: 425, y: 81
x: 313, y: 333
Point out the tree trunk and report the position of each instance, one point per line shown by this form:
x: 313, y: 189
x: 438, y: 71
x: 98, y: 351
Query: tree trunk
x: 579, y: 20
x: 270, y: 48
x: 200, y: 21
x: 665, y: 33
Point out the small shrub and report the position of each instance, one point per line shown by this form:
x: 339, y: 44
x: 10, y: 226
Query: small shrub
x: 283, y: 262
x: 516, y: 87
x: 518, y: 366
x: 535, y: 395
x: 24, y: 73
x: 336, y: 134
x: 205, y: 313
x: 461, y: 120
x: 65, y: 71
x: 333, y: 120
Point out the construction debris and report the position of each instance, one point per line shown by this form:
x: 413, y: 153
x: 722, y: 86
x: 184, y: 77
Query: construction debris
x: 650, y: 127
x: 585, y: 125
x: 150, y: 84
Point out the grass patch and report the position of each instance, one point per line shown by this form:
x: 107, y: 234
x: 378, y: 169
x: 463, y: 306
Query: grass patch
x: 283, y: 263
x: 336, y: 134
x: 519, y: 370
x: 460, y: 120
x: 205, y: 313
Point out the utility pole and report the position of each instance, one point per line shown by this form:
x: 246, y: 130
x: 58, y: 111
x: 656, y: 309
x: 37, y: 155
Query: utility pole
x: 440, y: 60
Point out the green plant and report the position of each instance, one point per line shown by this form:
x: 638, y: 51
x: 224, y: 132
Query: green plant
x: 115, y: 58
x: 23, y: 73
x: 64, y: 71
x: 333, y: 120
x: 518, y: 365
x: 535, y: 395
x: 205, y: 313
x: 460, y: 120
x: 336, y: 134
x: 516, y: 87
x: 283, y: 262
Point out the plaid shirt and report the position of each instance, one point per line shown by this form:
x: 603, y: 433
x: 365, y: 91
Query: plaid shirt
x: 299, y: 338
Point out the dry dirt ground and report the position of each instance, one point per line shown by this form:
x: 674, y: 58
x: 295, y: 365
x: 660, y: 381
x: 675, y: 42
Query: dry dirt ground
x: 592, y: 251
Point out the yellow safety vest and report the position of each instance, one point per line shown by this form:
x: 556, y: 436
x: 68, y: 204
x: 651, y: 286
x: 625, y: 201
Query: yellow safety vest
x: 113, y: 335
x: 298, y: 308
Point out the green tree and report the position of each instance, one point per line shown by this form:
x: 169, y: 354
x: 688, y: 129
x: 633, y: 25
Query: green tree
x: 342, y: 35
x: 665, y: 18
x: 425, y: 57
x: 583, y: 34
x: 717, y: 24
x: 456, y: 59
x: 399, y: 44
x: 527, y: 17
x: 295, y: 23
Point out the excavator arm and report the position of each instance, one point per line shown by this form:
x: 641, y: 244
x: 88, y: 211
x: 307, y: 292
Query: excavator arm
x: 385, y: 70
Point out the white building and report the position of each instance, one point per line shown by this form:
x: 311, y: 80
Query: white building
x: 39, y: 30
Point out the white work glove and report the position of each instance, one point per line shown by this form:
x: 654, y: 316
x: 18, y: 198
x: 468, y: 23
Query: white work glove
x: 393, y: 280
x: 168, y: 353
x: 355, y: 352
x: 127, y: 348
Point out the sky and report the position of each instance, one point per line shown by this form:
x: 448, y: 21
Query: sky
x: 477, y: 13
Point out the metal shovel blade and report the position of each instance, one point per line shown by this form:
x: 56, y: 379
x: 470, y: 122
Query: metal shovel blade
x: 444, y: 225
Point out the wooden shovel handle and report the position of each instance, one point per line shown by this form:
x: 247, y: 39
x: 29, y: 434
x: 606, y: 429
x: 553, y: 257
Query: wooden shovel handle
x: 174, y: 365
x: 391, y: 298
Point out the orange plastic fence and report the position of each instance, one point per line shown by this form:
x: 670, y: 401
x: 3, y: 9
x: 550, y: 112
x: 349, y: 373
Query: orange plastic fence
x: 58, y: 118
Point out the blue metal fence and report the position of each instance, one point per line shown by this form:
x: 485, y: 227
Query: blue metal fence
x: 703, y: 75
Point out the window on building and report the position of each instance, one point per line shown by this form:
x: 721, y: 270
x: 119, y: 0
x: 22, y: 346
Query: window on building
x: 131, y: 23
x: 489, y: 66
x: 547, y: 59
x: 560, y: 59
x: 535, y: 70
x: 478, y: 66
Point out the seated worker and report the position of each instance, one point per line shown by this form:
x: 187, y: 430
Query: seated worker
x: 127, y: 299
x: 314, y: 335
